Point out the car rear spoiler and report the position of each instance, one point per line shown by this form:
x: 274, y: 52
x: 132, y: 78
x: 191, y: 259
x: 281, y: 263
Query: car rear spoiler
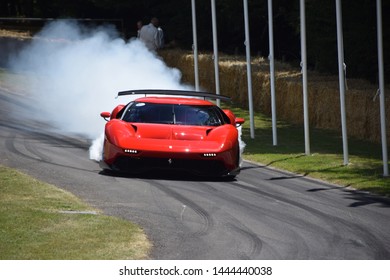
x: 175, y: 92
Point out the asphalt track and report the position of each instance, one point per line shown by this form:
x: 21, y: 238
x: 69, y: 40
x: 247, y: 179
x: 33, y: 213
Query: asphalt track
x: 264, y: 214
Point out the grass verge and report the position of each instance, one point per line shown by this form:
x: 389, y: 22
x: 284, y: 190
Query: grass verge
x: 326, y: 160
x: 40, y: 221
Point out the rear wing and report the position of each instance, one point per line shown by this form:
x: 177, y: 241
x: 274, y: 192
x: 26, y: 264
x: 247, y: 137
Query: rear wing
x: 174, y: 92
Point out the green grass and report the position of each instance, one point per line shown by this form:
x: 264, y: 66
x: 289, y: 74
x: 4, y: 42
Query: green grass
x: 364, y: 172
x: 40, y: 221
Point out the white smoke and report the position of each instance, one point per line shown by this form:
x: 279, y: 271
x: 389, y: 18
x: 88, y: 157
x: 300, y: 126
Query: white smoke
x: 241, y: 144
x: 96, y: 149
x: 79, y: 72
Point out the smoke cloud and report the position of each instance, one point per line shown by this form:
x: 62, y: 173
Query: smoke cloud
x: 78, y: 72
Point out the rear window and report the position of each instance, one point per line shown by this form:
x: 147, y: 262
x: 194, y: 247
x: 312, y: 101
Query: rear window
x: 139, y: 112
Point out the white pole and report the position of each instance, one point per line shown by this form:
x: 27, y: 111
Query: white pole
x: 195, y: 45
x: 340, y: 46
x: 215, y: 44
x: 249, y: 69
x: 272, y: 72
x: 382, y: 88
x: 304, y: 78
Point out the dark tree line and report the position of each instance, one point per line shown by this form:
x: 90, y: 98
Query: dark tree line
x: 359, y: 26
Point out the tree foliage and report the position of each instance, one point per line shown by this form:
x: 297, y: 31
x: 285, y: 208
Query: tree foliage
x: 359, y: 26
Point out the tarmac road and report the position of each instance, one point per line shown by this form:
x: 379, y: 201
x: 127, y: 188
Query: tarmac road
x: 264, y: 214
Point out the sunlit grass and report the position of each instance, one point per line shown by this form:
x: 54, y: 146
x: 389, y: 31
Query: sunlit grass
x: 40, y: 221
x: 364, y: 171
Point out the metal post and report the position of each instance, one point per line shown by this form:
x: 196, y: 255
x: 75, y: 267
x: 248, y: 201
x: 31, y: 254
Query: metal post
x: 195, y: 45
x: 304, y: 77
x: 249, y: 69
x: 215, y: 44
x: 382, y: 88
x: 272, y: 72
x: 340, y: 46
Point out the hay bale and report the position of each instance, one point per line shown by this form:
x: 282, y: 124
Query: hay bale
x: 363, y: 119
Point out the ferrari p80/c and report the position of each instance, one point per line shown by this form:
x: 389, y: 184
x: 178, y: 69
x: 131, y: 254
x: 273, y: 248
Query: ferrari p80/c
x: 172, y: 130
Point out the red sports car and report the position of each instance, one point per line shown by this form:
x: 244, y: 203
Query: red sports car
x: 176, y: 131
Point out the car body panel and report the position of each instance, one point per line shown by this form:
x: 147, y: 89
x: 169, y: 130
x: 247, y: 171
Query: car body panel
x: 136, y: 146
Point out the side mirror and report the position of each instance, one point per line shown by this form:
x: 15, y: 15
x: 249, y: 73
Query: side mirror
x: 105, y: 115
x: 239, y: 121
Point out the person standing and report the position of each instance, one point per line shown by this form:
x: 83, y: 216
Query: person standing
x: 160, y: 37
x: 139, y: 26
x: 152, y: 35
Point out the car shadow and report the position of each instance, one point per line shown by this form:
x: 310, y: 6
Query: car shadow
x: 167, y: 176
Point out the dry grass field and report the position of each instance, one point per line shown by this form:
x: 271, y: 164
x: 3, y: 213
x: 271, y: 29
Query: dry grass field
x: 362, y: 104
